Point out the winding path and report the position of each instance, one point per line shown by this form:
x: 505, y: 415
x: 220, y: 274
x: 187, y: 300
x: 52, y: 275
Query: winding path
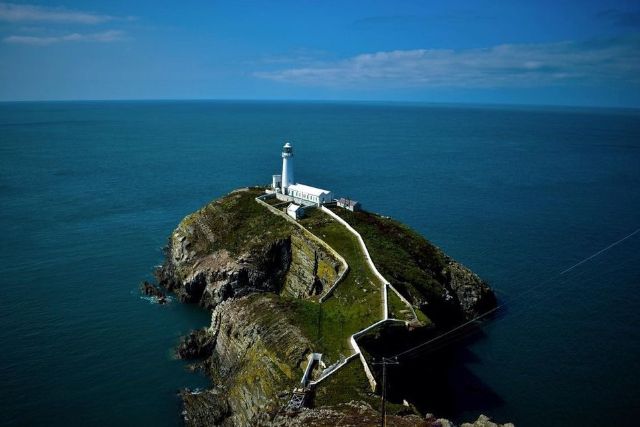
x: 383, y: 282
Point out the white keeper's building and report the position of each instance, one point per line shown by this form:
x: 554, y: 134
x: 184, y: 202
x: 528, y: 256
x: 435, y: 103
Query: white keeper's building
x: 286, y: 189
x: 305, y: 194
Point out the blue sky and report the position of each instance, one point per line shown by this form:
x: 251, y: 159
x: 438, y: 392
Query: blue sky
x: 523, y: 52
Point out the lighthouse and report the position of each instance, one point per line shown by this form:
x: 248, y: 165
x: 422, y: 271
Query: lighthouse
x: 283, y: 187
x: 287, y: 167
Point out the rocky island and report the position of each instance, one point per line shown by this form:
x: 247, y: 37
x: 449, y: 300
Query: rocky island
x: 293, y: 301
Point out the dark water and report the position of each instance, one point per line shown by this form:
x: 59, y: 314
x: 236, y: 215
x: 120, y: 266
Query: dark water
x: 90, y: 191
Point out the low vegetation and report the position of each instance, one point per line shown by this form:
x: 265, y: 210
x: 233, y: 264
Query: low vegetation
x: 350, y: 383
x: 357, y: 301
x: 235, y: 222
x: 414, y: 266
x: 397, y: 308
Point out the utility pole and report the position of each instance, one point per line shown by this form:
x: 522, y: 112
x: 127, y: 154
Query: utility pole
x: 385, y: 361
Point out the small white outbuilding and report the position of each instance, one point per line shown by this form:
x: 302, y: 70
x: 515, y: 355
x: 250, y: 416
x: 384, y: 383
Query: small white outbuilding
x: 352, y: 205
x: 295, y: 211
x: 276, y: 182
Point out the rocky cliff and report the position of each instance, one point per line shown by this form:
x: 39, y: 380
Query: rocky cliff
x: 261, y: 277
x: 255, y: 355
x: 234, y: 247
x: 356, y: 413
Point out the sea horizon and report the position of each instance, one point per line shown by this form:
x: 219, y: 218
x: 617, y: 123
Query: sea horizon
x: 381, y: 102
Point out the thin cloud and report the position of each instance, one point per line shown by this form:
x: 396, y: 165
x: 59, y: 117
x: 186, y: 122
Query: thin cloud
x: 459, y: 17
x: 11, y: 12
x: 101, y: 37
x: 515, y: 65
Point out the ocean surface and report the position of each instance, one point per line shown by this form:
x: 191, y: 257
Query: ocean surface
x: 90, y: 191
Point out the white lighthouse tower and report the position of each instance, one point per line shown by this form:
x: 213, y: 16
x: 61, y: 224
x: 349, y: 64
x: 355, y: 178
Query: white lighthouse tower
x: 287, y: 167
x: 284, y: 188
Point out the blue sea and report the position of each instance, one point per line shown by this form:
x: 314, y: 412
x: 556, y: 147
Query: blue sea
x: 90, y: 191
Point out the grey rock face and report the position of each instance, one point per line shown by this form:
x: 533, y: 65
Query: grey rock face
x: 357, y: 413
x: 205, y: 408
x: 473, y: 294
x: 295, y: 266
x: 198, y: 344
x: 312, y: 270
x: 257, y: 357
x: 212, y: 278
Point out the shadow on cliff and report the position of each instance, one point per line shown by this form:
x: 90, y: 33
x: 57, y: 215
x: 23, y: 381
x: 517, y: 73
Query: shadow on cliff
x: 436, y: 378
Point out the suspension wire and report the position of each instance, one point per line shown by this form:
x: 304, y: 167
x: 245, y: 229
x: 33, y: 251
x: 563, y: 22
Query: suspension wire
x: 449, y: 332
x: 522, y: 294
x: 458, y: 337
x: 555, y: 276
x: 601, y: 251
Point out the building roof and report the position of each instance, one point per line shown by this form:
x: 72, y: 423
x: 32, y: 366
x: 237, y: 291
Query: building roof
x: 308, y: 189
x: 347, y: 202
x: 293, y: 207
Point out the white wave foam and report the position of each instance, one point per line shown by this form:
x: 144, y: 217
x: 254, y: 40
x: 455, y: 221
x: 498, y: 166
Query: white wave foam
x: 154, y: 299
